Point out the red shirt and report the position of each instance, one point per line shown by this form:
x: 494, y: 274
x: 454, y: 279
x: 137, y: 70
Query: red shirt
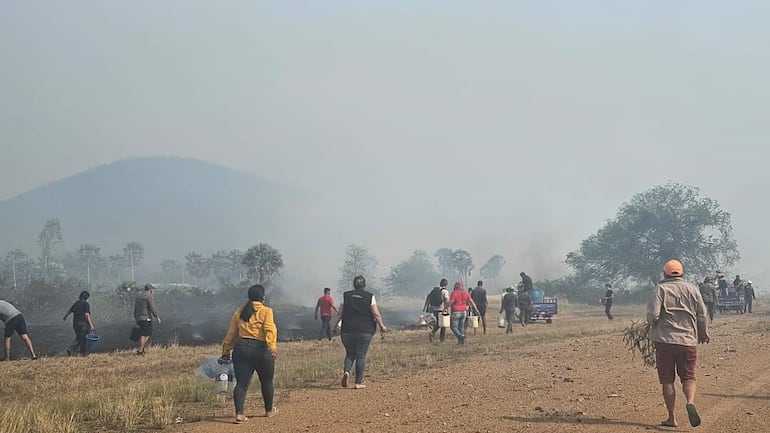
x: 459, y: 300
x: 325, y: 302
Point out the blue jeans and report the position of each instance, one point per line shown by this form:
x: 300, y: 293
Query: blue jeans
x: 326, y: 327
x: 356, y: 346
x: 458, y: 324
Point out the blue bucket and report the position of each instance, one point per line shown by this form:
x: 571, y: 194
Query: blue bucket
x: 91, y: 340
x: 537, y: 296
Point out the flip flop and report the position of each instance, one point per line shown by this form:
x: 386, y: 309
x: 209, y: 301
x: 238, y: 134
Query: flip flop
x: 241, y: 421
x: 692, y: 414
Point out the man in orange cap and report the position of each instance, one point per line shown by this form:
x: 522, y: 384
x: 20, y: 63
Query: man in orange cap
x: 677, y: 315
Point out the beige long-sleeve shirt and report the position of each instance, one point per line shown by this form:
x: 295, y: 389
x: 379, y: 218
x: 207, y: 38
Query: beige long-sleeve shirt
x: 675, y: 312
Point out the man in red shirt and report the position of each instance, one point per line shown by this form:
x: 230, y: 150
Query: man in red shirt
x: 326, y: 305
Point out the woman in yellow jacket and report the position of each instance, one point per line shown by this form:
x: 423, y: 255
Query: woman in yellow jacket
x: 255, y: 350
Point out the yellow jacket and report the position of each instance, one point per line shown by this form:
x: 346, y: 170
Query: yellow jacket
x: 261, y: 326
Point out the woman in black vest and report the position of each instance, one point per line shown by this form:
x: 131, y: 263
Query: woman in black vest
x: 360, y: 317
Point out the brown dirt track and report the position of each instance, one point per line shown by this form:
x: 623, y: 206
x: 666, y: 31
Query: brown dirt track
x: 588, y: 384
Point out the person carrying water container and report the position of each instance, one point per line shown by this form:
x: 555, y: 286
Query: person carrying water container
x: 81, y: 323
x: 459, y: 301
x: 256, y: 348
x: 437, y: 303
x: 509, y: 306
x: 144, y: 312
x: 479, y: 296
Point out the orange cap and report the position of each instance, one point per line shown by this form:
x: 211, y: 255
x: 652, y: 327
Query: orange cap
x: 673, y: 268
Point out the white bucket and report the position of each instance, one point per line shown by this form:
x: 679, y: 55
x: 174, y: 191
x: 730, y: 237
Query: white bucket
x: 500, y: 322
x: 473, y: 321
x: 444, y: 320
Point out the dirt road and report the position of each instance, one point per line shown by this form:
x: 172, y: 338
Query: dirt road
x: 587, y: 384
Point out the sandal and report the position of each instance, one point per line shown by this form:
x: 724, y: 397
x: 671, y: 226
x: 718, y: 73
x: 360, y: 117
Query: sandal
x: 692, y: 414
x: 240, y: 421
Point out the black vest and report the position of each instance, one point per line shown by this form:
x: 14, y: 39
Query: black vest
x: 357, y: 314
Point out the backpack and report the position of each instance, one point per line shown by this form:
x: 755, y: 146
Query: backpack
x: 434, y: 298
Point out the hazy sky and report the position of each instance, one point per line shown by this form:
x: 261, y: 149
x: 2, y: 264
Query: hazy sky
x: 507, y: 122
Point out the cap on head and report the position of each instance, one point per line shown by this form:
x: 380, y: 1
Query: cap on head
x: 148, y: 286
x: 673, y: 268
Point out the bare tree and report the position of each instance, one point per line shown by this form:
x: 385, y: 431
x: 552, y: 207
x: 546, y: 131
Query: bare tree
x: 358, y: 261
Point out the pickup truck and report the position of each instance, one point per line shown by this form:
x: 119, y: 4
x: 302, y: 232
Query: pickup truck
x: 733, y: 301
x: 544, y: 308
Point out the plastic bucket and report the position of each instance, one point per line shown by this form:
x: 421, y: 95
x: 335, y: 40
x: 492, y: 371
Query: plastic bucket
x: 500, y: 322
x: 91, y: 340
x: 221, y: 375
x: 444, y: 320
x: 537, y: 296
x: 473, y: 321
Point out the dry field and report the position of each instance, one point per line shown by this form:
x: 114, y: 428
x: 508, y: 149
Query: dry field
x: 571, y: 376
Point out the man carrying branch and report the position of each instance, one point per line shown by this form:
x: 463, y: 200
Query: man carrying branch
x: 677, y: 316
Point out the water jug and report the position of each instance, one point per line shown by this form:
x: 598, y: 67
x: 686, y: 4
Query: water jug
x: 444, y: 320
x: 473, y: 321
x: 221, y: 383
x: 500, y: 322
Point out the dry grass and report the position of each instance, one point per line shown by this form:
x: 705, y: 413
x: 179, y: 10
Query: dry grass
x: 120, y: 392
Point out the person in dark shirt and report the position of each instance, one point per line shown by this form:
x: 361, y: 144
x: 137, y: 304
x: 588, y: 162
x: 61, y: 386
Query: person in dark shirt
x: 526, y: 281
x: 81, y: 323
x: 509, y: 306
x: 479, y: 296
x: 525, y: 305
x: 360, y: 318
x: 749, y: 296
x: 607, y: 300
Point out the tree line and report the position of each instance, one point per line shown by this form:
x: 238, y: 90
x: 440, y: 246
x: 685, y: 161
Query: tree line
x: 668, y: 221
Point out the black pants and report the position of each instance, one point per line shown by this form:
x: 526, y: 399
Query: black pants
x: 442, y: 333
x: 251, y: 355
x: 81, y: 329
x: 607, y: 308
x: 747, y: 305
x: 326, y: 327
x: 525, y: 316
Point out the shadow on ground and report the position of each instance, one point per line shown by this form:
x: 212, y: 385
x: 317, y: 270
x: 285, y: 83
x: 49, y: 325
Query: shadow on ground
x: 585, y: 420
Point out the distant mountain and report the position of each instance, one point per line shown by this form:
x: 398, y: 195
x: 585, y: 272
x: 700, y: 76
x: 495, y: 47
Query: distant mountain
x: 171, y: 205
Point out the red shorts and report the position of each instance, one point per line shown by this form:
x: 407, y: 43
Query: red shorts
x: 676, y: 359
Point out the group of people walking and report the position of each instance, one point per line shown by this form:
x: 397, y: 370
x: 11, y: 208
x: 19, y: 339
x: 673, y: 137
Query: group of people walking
x: 460, y: 304
x: 714, y: 287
